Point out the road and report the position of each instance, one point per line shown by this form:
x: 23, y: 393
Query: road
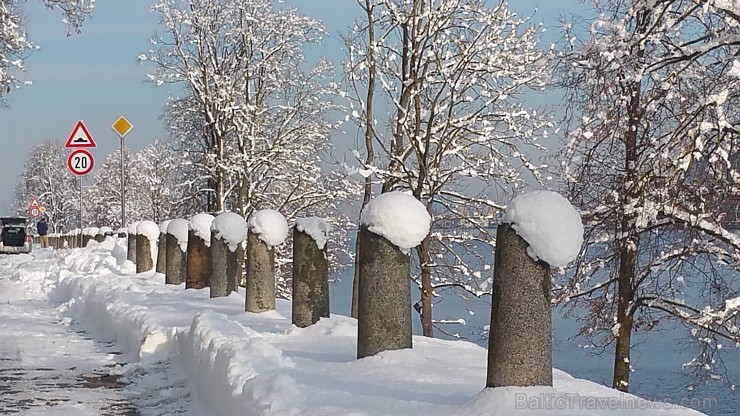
x: 48, y: 365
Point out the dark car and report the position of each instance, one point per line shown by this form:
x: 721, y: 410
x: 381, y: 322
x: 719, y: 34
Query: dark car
x: 14, y: 236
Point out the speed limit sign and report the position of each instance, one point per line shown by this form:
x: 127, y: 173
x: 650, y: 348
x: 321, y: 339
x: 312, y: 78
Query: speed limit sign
x: 80, y: 162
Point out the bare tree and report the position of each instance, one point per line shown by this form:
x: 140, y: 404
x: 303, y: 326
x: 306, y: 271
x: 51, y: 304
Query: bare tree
x: 46, y: 177
x: 254, y: 119
x: 456, y: 133
x: 651, y: 91
x: 15, y: 45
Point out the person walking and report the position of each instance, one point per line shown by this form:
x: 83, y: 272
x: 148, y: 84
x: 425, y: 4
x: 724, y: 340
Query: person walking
x: 43, y: 229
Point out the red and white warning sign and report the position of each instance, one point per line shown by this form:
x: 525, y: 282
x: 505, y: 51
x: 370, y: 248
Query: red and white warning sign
x: 34, y: 208
x: 80, y: 162
x: 80, y: 137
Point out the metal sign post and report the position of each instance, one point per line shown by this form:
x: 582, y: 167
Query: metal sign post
x: 81, y: 238
x: 122, y: 126
x: 80, y: 162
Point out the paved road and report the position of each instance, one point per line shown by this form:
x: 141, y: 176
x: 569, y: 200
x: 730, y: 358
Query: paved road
x: 47, y: 366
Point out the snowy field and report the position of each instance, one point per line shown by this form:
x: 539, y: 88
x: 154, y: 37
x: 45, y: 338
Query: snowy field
x: 184, y: 353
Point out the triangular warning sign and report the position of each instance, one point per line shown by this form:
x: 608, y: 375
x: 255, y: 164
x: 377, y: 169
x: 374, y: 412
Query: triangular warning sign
x: 80, y: 137
x: 34, y: 203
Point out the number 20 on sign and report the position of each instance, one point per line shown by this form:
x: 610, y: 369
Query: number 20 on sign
x: 80, y: 162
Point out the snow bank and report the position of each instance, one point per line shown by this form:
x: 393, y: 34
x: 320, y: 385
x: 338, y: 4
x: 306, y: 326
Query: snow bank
x: 270, y: 225
x: 315, y: 227
x: 230, y: 227
x: 399, y: 217
x: 261, y: 364
x: 549, y: 223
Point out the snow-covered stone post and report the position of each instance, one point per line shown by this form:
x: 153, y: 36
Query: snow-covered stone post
x: 267, y: 229
x: 161, y: 266
x: 69, y: 239
x: 100, y: 235
x: 228, y: 232
x: 76, y: 238
x: 177, y: 246
x: 198, y: 270
x: 540, y: 229
x: 147, y: 233
x: 131, y: 242
x: 310, y: 271
x: 390, y: 226
x: 88, y: 234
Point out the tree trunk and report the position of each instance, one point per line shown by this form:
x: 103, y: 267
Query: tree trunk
x: 426, y: 287
x: 369, y: 150
x: 629, y: 240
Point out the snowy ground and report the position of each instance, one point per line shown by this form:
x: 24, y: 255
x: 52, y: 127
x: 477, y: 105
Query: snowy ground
x: 183, y: 353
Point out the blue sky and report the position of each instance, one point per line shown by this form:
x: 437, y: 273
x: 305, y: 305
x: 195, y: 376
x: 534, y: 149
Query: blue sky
x: 95, y: 76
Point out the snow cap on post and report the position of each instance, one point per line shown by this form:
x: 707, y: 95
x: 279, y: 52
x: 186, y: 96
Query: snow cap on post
x: 201, y: 226
x: 148, y: 229
x: 270, y: 225
x: 132, y: 228
x: 179, y: 229
x: 549, y: 224
x: 399, y: 217
x: 315, y: 227
x: 230, y: 227
x: 163, y: 226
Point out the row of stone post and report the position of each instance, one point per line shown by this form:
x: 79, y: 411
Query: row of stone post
x: 79, y: 238
x: 208, y: 252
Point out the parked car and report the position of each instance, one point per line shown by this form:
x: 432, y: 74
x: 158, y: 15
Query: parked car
x: 14, y: 235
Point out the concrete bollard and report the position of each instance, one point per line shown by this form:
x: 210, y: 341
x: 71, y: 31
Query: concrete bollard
x: 146, y: 236
x: 384, y: 304
x: 131, y: 254
x: 519, y: 344
x: 88, y: 234
x: 310, y: 272
x: 162, y: 247
x: 384, y: 300
x: 176, y: 256
x: 267, y: 229
x: 260, y: 288
x: 198, y: 270
x: 539, y: 229
x: 228, y: 231
x: 102, y: 233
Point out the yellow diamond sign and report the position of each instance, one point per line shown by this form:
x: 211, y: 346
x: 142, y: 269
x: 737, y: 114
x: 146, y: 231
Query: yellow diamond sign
x: 122, y: 126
